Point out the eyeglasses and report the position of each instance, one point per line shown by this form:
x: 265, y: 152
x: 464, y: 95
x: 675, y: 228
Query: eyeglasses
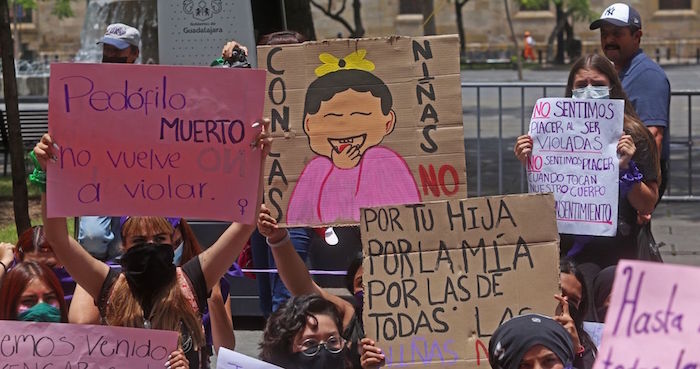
x: 311, y: 347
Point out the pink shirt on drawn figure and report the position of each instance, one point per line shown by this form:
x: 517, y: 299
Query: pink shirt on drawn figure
x: 326, y: 193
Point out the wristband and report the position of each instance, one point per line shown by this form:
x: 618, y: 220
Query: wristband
x: 38, y: 176
x: 629, y: 178
x: 278, y: 243
x: 3, y: 266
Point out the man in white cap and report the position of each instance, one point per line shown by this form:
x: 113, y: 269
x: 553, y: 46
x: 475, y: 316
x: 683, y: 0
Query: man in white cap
x: 100, y: 236
x: 645, y: 83
x: 120, y: 44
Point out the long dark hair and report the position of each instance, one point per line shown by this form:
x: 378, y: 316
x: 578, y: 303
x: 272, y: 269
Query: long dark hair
x: 191, y: 247
x: 633, y: 125
x: 601, y: 65
x: 15, y: 282
x: 567, y: 266
x: 355, y: 264
x: 290, y: 319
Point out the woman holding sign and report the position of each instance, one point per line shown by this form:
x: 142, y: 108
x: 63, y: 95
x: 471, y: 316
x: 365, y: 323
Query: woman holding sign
x: 361, y: 351
x: 151, y: 292
x: 594, y: 77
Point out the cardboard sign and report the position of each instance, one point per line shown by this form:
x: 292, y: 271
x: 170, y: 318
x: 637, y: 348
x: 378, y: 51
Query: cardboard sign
x: 82, y: 346
x: 154, y: 140
x: 227, y: 359
x: 194, y: 32
x: 574, y: 156
x: 362, y: 123
x: 439, y: 278
x: 653, y: 320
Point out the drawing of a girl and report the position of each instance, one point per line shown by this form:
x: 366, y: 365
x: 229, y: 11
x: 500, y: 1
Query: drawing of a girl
x: 347, y: 113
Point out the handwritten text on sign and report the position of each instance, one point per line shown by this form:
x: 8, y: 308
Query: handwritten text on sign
x: 154, y: 140
x: 441, y: 277
x: 55, y: 345
x: 653, y: 320
x: 574, y: 156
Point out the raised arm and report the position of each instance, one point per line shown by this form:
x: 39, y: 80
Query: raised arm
x: 221, y: 321
x: 291, y: 267
x: 87, y: 271
x: 6, y: 256
x: 216, y: 260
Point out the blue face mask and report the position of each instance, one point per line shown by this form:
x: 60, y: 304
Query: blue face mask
x: 177, y: 257
x: 591, y: 92
x: 41, y: 312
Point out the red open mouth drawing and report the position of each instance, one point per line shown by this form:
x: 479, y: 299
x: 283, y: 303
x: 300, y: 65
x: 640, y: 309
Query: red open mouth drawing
x: 340, y: 144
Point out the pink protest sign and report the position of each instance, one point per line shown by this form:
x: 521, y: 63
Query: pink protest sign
x: 154, y: 140
x: 653, y: 319
x: 82, y: 346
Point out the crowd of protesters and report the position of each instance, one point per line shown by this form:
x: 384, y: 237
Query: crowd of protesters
x: 151, y: 272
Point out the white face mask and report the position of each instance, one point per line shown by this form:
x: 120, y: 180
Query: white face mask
x: 591, y: 92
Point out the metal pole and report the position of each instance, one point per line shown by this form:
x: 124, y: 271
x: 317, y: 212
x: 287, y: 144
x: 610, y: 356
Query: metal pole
x: 284, y: 15
x: 690, y: 145
x: 478, y: 141
x: 522, y: 131
x: 500, y: 140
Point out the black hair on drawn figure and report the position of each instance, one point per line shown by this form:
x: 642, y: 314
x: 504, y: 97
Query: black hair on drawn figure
x: 327, y: 86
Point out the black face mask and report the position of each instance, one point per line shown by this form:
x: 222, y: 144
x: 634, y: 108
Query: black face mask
x: 148, y: 268
x: 323, y: 360
x: 115, y: 59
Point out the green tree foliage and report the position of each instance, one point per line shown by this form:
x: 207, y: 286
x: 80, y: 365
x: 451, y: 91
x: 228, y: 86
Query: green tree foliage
x: 61, y: 8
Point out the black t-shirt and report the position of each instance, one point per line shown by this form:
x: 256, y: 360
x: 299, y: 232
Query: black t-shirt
x: 606, y: 251
x: 193, y: 271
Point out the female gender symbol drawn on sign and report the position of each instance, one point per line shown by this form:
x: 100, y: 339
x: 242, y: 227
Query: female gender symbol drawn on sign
x: 242, y: 203
x: 347, y: 113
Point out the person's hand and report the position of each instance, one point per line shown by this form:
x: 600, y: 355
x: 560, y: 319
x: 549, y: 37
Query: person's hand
x: 349, y: 157
x: 45, y: 150
x: 7, y: 253
x: 565, y: 319
x: 267, y: 226
x: 371, y: 355
x: 523, y: 148
x: 263, y: 140
x: 625, y: 149
x: 227, y: 51
x: 643, y: 218
x: 177, y: 359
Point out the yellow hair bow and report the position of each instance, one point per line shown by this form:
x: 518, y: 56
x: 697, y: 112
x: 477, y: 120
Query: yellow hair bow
x: 354, y: 60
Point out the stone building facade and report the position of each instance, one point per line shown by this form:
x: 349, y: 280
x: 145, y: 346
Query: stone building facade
x: 42, y: 34
x: 675, y: 32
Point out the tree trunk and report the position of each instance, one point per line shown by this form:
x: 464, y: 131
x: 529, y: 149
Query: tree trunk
x: 518, y: 55
x: 357, y: 16
x: 570, y: 43
x: 19, y: 184
x: 428, y: 18
x: 561, y: 46
x: 460, y: 28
